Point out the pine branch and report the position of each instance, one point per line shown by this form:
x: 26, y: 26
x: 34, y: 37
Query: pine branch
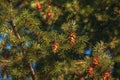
x: 32, y: 72
x: 18, y: 36
x: 13, y: 27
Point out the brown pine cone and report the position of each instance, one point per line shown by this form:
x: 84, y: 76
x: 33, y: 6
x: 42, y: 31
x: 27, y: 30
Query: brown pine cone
x: 55, y: 47
x: 95, y: 61
x: 90, y: 71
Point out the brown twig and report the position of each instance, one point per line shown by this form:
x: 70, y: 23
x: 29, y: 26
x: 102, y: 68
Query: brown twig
x: 13, y: 27
x: 5, y: 61
x: 32, y: 72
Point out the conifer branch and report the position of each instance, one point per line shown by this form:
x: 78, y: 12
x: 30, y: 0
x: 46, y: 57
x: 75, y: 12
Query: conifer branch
x: 13, y: 27
x: 32, y: 72
x: 18, y: 36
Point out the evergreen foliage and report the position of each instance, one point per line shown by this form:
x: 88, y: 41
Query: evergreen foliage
x: 59, y: 39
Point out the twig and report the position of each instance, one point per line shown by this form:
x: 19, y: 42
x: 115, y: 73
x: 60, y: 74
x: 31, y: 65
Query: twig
x: 32, y: 72
x: 13, y: 27
x: 5, y: 61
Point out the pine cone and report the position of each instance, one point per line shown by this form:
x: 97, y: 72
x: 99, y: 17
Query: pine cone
x: 72, y: 34
x: 55, y: 47
x: 82, y: 78
x: 106, y: 75
x: 95, y: 61
x: 90, y: 71
x: 72, y: 37
x: 38, y: 6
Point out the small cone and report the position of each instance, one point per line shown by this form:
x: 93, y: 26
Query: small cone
x: 55, y: 47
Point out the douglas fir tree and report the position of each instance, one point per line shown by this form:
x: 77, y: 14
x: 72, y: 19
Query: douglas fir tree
x: 54, y: 40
